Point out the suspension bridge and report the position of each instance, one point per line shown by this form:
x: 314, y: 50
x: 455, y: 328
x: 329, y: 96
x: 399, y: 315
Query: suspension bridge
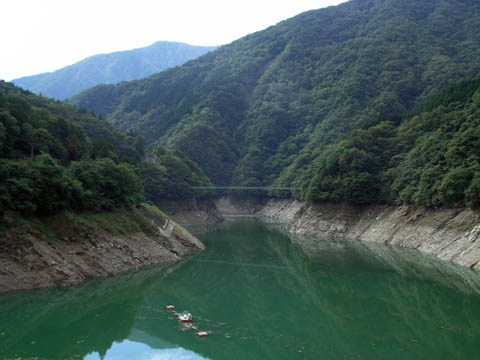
x: 265, y: 188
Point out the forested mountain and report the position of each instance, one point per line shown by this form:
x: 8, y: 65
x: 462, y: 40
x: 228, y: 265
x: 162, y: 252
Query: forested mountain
x: 295, y: 104
x: 111, y: 68
x: 54, y: 157
x: 430, y: 156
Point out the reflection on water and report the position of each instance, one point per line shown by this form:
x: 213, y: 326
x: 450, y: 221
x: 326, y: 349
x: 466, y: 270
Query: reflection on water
x: 128, y: 350
x: 403, y: 261
x: 262, y: 294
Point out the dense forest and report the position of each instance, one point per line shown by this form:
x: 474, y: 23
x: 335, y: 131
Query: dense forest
x: 54, y: 157
x: 428, y: 156
x: 111, y: 68
x: 312, y: 102
x: 371, y: 101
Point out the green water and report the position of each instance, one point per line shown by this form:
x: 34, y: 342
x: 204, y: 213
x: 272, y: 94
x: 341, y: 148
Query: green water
x: 263, y: 295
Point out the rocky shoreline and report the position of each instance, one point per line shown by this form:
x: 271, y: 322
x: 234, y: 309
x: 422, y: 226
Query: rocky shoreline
x: 36, y: 263
x: 192, y: 212
x: 449, y: 234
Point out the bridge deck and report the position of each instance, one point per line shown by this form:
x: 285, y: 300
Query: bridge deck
x: 243, y: 188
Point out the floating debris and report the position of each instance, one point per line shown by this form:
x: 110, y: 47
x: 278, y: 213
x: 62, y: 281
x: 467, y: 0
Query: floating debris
x: 188, y: 326
x: 185, y: 317
x: 203, y: 333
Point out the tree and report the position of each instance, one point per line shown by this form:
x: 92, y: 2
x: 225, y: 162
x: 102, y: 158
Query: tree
x: 472, y: 195
x: 454, y: 185
x: 52, y: 185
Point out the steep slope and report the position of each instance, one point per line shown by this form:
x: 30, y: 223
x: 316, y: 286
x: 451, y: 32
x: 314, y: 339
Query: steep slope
x: 55, y: 158
x: 263, y: 109
x: 72, y: 196
x: 111, y: 68
x: 431, y: 156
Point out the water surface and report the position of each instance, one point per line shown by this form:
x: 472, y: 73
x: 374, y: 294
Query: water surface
x: 263, y: 295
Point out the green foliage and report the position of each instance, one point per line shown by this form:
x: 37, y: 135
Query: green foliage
x: 55, y: 158
x: 155, y: 213
x: 43, y: 187
x: 171, y: 176
x: 105, y: 185
x: 154, y: 180
x: 441, y: 166
x: 116, y: 222
x: 39, y: 186
x: 32, y: 125
x: 207, y: 148
x: 266, y: 109
x: 431, y: 158
x: 51, y: 185
x: 318, y: 102
x: 472, y: 195
x: 17, y: 188
x: 351, y: 170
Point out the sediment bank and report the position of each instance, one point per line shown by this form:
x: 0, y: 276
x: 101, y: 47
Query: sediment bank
x: 192, y: 212
x: 449, y: 234
x: 29, y: 261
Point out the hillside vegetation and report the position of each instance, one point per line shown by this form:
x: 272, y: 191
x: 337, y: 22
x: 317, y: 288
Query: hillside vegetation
x: 55, y: 158
x: 318, y: 102
x: 430, y: 157
x: 111, y: 68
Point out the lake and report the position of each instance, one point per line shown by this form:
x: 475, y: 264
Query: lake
x: 261, y: 294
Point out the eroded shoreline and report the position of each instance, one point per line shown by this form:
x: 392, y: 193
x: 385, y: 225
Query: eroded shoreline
x: 449, y: 234
x: 31, y: 262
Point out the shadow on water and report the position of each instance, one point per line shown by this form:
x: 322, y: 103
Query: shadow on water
x: 263, y: 294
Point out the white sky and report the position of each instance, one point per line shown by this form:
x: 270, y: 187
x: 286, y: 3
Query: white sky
x: 44, y: 35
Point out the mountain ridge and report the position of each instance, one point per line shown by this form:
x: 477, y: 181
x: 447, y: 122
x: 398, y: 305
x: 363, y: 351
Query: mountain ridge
x: 111, y: 68
x: 263, y: 109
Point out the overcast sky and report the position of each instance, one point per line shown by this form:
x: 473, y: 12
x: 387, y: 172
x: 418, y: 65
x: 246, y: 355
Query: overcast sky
x: 45, y: 35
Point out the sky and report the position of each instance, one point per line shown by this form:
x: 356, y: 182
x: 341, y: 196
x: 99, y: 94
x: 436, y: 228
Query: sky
x: 43, y: 36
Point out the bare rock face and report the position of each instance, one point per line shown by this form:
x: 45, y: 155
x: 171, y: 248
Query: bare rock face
x: 238, y: 206
x: 450, y: 234
x: 282, y: 209
x: 35, y: 263
x: 192, y: 212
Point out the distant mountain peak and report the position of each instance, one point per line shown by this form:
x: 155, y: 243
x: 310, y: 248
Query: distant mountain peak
x: 264, y: 109
x: 111, y: 68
